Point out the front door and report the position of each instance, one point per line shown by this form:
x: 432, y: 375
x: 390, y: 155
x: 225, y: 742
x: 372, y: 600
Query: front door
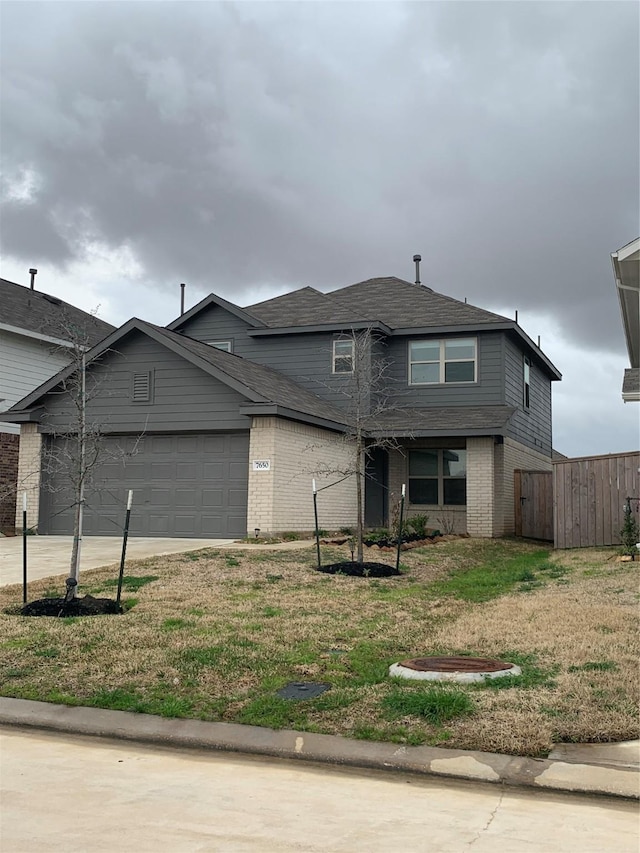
x: 376, y: 487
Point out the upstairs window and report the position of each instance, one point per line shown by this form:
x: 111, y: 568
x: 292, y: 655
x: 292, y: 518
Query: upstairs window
x: 439, y: 362
x: 526, y: 375
x: 223, y: 345
x: 343, y: 356
x: 438, y: 477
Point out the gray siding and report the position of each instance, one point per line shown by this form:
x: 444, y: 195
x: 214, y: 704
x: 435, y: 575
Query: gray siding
x: 217, y: 324
x: 531, y: 427
x: 488, y: 390
x: 305, y: 358
x: 185, y: 398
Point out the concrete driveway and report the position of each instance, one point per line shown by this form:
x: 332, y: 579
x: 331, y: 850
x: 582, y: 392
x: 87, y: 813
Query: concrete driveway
x: 48, y: 556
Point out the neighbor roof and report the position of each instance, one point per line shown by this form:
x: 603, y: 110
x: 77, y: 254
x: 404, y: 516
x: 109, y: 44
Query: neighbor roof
x: 39, y: 314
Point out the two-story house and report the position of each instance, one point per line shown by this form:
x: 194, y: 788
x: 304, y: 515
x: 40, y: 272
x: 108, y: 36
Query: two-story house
x: 232, y: 411
x: 36, y: 332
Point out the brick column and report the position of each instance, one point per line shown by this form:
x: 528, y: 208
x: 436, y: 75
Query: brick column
x: 29, y: 469
x: 481, y: 487
x: 9, y: 449
x: 260, y: 499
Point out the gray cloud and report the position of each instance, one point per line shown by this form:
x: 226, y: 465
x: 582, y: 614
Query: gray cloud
x: 238, y: 145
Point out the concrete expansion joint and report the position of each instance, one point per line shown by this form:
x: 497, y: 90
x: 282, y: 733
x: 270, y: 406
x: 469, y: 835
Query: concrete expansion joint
x: 536, y: 774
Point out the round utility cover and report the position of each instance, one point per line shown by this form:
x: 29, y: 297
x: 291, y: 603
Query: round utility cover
x: 453, y: 668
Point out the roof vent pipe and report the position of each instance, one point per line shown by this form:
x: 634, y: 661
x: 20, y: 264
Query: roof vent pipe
x: 33, y: 272
x: 416, y: 260
x: 182, y: 287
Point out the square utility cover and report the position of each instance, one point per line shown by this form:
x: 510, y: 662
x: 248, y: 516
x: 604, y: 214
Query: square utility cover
x: 302, y: 690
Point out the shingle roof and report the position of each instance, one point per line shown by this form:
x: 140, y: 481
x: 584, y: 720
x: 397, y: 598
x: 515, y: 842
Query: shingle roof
x: 397, y: 303
x: 35, y: 311
x: 265, y: 382
x: 446, y: 420
x: 298, y: 308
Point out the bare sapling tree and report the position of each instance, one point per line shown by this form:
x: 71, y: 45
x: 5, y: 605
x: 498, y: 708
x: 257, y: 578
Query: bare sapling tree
x: 77, y: 452
x: 75, y: 448
x: 363, y: 380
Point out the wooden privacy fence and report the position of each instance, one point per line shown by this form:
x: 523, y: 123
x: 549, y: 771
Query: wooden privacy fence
x: 533, y: 509
x: 589, y: 496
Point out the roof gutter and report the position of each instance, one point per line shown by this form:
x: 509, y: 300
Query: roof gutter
x: 47, y: 339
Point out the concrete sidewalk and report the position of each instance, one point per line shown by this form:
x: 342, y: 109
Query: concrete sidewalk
x: 602, y: 776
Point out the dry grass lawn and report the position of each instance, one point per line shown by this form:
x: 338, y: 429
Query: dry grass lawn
x: 213, y: 635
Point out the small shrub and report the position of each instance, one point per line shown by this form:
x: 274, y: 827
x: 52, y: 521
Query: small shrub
x: 291, y: 536
x: 346, y: 531
x: 447, y: 522
x: 630, y: 533
x: 418, y: 524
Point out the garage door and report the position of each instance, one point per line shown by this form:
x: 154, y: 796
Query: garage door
x: 183, y: 485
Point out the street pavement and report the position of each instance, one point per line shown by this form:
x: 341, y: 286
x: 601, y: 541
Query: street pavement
x: 66, y: 794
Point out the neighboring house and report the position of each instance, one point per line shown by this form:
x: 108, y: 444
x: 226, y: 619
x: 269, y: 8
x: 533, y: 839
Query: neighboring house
x: 626, y: 268
x: 232, y: 411
x: 35, y: 332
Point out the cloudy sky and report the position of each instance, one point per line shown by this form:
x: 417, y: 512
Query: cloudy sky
x: 252, y: 148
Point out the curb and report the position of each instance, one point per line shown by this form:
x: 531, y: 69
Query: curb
x: 540, y: 774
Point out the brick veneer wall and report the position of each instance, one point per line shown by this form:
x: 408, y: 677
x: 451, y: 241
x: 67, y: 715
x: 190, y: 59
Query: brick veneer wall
x: 9, y: 450
x: 281, y: 499
x: 512, y: 455
x: 453, y: 519
x: 482, y: 487
x: 29, y: 465
x: 490, y: 466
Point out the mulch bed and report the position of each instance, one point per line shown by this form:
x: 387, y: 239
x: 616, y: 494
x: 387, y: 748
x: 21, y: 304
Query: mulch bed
x: 360, y: 570
x: 87, y: 606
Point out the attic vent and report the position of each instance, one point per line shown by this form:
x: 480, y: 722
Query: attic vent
x: 141, y: 386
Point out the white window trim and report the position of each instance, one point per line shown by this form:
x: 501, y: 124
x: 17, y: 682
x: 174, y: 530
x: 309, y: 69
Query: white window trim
x: 225, y: 346
x: 443, y: 361
x: 441, y: 477
x: 526, y: 398
x: 333, y: 356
